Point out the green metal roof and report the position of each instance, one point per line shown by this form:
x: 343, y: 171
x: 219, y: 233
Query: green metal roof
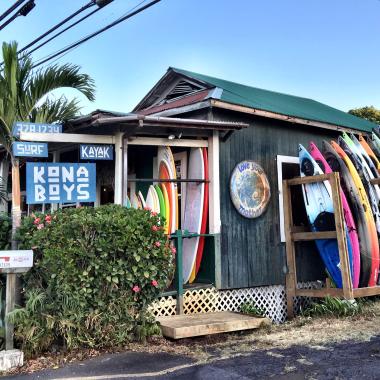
x: 284, y: 104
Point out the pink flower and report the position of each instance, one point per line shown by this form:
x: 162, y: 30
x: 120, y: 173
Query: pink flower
x: 48, y: 218
x: 147, y: 208
x: 153, y: 213
x: 37, y: 221
x: 155, y: 228
x: 136, y: 289
x: 154, y: 283
x: 40, y: 226
x: 157, y: 244
x: 174, y: 251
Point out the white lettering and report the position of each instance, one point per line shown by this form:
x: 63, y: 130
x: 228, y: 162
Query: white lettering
x: 38, y: 174
x: 67, y: 174
x: 82, y: 171
x: 53, y: 174
x: 84, y: 151
x: 39, y: 193
x: 69, y: 191
x: 83, y: 194
x: 54, y: 192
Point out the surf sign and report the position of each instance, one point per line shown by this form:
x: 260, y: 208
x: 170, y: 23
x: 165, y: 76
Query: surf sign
x: 29, y: 149
x: 60, y: 182
x: 96, y: 152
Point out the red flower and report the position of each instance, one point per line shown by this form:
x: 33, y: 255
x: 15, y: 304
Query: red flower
x: 155, y: 228
x: 48, y: 218
x: 153, y: 213
x: 154, y: 283
x: 136, y: 289
x: 157, y: 244
x: 37, y: 221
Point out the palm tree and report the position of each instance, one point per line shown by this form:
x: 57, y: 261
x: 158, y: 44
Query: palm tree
x: 24, y: 97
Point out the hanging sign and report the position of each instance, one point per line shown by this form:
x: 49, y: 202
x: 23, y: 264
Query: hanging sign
x: 60, y: 183
x: 249, y: 189
x: 28, y: 149
x: 96, y: 152
x: 10, y: 260
x: 20, y: 126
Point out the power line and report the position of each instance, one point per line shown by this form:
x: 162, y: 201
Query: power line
x: 11, y: 9
x: 55, y: 27
x: 23, y: 11
x: 92, y: 35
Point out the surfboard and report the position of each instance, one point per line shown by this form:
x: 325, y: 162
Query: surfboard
x: 161, y: 200
x: 201, y: 245
x: 320, y: 212
x: 156, y: 200
x: 164, y: 154
x: 150, y: 201
x: 370, y: 152
x: 374, y: 146
x: 142, y: 200
x: 166, y: 209
x: 127, y: 202
x: 373, y: 255
x: 193, y: 210
x: 348, y: 217
x: 170, y: 206
x: 134, y: 201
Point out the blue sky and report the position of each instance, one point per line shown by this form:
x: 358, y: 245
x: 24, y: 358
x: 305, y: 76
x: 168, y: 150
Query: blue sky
x: 327, y: 50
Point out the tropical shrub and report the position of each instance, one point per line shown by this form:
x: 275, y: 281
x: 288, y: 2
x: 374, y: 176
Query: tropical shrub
x: 5, y: 231
x: 96, y: 272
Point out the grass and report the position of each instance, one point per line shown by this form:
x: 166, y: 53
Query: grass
x: 252, y: 309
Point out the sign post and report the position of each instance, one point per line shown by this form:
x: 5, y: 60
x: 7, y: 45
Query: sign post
x: 11, y: 263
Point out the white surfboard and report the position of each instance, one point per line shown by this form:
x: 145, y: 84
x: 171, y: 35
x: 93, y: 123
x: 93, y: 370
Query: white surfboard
x: 134, y: 201
x: 150, y: 201
x: 142, y: 200
x: 193, y: 211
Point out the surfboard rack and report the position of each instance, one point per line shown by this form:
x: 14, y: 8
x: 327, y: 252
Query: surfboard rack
x: 295, y: 234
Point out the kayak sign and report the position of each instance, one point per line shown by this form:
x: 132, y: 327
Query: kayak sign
x: 28, y: 149
x: 60, y: 183
x: 20, y: 126
x: 15, y: 260
x: 96, y: 152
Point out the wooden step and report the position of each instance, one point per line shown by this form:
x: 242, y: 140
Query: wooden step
x: 190, y: 325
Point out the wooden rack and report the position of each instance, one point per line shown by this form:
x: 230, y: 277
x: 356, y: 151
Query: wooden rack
x: 295, y: 234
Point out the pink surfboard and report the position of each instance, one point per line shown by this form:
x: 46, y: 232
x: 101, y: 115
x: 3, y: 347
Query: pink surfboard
x: 352, y: 232
x: 193, y: 211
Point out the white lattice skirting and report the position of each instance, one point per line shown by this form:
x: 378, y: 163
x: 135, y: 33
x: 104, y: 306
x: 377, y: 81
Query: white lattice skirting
x: 271, y: 299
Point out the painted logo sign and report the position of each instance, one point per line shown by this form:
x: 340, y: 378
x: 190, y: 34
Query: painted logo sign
x: 60, y: 183
x: 20, y: 126
x: 28, y: 149
x: 96, y: 152
x: 249, y: 189
x: 16, y: 259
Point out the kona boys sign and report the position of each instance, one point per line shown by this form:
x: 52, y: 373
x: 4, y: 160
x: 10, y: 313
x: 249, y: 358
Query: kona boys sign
x: 60, y: 183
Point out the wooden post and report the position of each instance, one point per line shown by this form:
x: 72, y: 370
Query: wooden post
x: 118, y: 192
x: 10, y: 295
x: 291, y: 275
x: 179, y: 272
x: 341, y: 237
x: 125, y: 170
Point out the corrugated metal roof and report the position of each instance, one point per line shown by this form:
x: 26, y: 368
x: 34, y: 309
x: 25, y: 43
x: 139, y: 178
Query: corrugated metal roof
x: 279, y: 103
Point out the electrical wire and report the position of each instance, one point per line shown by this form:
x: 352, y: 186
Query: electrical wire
x: 92, y: 35
x: 22, y: 11
x: 11, y: 9
x: 55, y: 27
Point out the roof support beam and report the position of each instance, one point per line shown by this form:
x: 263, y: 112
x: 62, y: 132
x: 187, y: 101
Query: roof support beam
x: 155, y: 141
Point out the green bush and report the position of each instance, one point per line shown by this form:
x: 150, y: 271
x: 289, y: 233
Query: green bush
x: 5, y: 231
x: 96, y: 271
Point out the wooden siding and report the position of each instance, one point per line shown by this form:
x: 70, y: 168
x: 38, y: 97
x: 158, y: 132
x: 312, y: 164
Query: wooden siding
x: 251, y: 251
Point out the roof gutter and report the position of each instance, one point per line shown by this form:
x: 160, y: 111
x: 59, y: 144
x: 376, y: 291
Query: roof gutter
x: 277, y: 116
x: 143, y: 120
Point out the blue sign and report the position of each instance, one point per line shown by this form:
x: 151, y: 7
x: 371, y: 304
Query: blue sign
x: 60, y: 183
x: 96, y: 152
x: 28, y: 149
x: 20, y: 126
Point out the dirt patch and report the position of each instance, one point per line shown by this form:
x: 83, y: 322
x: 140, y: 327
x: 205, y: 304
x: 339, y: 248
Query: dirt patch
x: 314, y: 333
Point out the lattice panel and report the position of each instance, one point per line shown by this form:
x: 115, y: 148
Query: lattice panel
x: 271, y: 299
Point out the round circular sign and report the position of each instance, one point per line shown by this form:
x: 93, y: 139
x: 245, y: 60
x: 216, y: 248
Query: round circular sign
x: 249, y: 189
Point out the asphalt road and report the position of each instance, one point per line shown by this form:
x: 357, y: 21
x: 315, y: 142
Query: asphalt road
x: 348, y: 360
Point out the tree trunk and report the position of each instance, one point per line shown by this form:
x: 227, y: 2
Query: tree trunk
x: 16, y: 200
x: 4, y: 174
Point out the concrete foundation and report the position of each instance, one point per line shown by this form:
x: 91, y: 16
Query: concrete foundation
x: 11, y: 359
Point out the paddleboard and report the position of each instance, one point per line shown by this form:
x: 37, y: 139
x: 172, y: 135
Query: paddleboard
x: 320, y: 212
x: 201, y: 245
x: 348, y: 217
x: 373, y: 256
x: 193, y: 210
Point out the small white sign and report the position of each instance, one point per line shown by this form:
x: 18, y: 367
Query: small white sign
x: 16, y: 259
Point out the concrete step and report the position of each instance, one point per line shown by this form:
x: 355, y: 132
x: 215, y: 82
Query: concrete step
x: 191, y: 325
